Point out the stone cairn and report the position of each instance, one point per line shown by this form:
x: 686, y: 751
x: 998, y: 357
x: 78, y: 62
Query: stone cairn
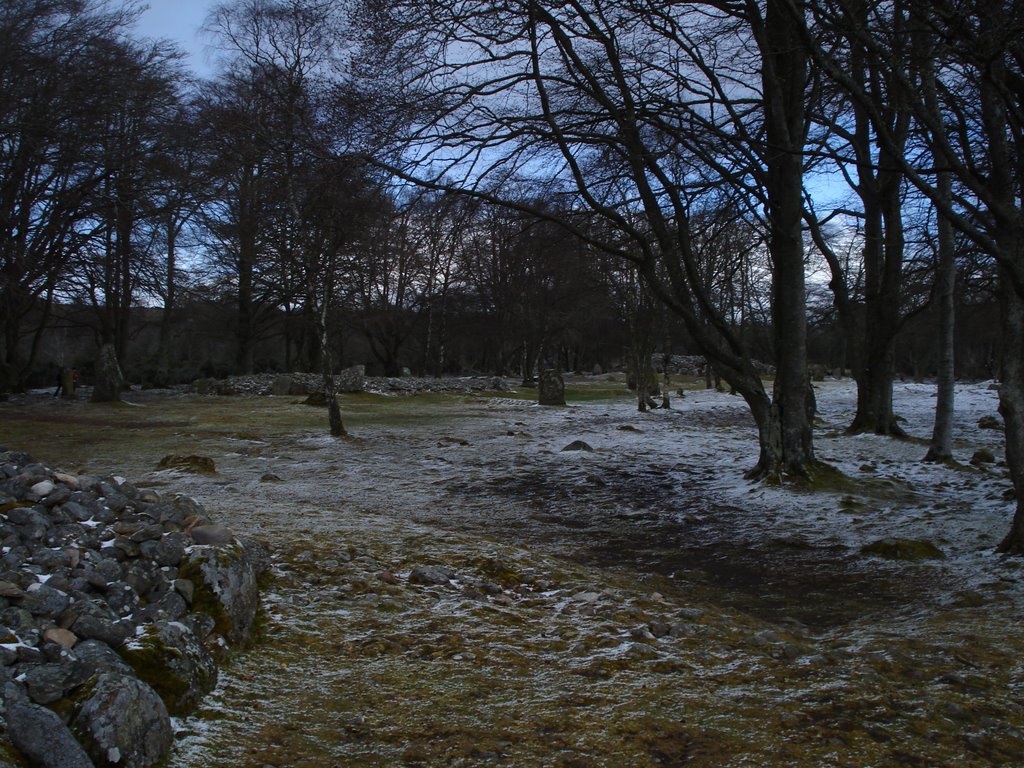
x: 115, y: 606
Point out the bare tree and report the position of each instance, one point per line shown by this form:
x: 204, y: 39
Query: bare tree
x: 55, y: 88
x: 972, y: 121
x: 622, y: 108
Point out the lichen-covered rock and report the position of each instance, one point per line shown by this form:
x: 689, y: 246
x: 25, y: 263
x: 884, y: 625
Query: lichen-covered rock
x: 123, y: 723
x: 100, y: 657
x: 40, y: 735
x: 173, y: 661
x: 46, y: 683
x: 224, y: 579
x: 551, y: 388
x: 91, y: 627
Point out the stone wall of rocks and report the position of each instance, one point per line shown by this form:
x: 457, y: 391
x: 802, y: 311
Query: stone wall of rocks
x: 693, y: 365
x: 349, y: 380
x: 115, y: 605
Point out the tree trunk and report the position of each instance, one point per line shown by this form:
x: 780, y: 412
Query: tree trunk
x: 334, y: 421
x: 109, y: 381
x: 787, y: 440
x: 1011, y: 403
x: 941, y: 447
x: 163, y: 364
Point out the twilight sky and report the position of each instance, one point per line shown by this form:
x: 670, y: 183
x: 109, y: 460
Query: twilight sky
x: 179, y: 20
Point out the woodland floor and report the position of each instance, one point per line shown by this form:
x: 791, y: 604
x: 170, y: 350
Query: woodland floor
x: 655, y: 609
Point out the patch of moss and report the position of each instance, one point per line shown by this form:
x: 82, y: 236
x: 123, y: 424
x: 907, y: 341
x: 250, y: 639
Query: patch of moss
x: 148, y: 656
x: 204, y: 599
x: 903, y: 549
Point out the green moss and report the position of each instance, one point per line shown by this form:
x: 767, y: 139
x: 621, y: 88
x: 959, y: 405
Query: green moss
x: 903, y: 549
x: 148, y: 656
x: 204, y: 599
x: 5, y: 508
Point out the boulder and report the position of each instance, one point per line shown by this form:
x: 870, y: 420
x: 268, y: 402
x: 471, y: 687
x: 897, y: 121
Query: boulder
x: 123, y: 723
x: 550, y: 388
x: 578, y: 445
x: 172, y: 660
x: 40, y: 735
x: 903, y: 549
x: 352, y: 379
x: 211, y: 533
x: 205, y: 386
x: 431, y: 575
x: 224, y: 586
x: 201, y: 465
x: 47, y: 683
x: 282, y: 385
x: 100, y: 657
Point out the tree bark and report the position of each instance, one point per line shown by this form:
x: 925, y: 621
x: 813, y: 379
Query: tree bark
x: 163, y: 364
x: 941, y: 446
x: 787, y: 440
x: 1011, y: 400
x: 109, y: 380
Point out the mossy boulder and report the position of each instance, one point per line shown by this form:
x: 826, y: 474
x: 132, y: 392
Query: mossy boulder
x: 903, y: 549
x: 983, y: 456
x: 991, y: 422
x: 225, y: 586
x: 123, y: 722
x: 173, y: 661
x: 202, y: 465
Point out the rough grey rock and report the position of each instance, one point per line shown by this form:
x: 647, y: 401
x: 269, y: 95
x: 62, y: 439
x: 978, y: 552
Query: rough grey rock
x: 578, y: 445
x: 90, y: 562
x: 112, y: 633
x: 550, y: 388
x: 124, y: 723
x: 224, y: 581
x: 169, y: 657
x: 431, y: 575
x: 282, y: 385
x: 41, y: 735
x: 100, y: 657
x: 44, y: 600
x: 46, y: 683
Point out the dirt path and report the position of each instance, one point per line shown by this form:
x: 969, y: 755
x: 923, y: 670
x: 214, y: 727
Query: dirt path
x: 637, y: 604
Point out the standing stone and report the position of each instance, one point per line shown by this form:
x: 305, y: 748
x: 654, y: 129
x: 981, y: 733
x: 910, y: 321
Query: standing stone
x: 67, y: 384
x: 352, y: 379
x: 109, y: 379
x: 282, y: 385
x: 551, y: 388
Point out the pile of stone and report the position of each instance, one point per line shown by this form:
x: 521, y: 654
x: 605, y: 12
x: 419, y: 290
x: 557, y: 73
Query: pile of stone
x: 115, y: 605
x: 694, y: 365
x: 350, y: 380
x: 680, y: 365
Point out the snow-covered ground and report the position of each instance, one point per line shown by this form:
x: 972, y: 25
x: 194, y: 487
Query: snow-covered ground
x: 640, y: 603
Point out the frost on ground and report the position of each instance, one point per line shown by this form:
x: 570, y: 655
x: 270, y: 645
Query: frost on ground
x: 635, y: 604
